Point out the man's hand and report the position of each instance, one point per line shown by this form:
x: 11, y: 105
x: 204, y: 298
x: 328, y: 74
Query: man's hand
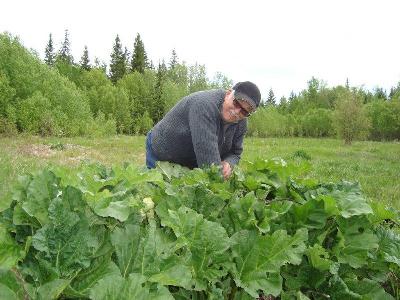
x: 226, y: 169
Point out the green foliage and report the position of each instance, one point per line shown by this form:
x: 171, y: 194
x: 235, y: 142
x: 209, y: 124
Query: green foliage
x: 271, y: 100
x: 317, y: 123
x: 158, y: 105
x: 101, y: 126
x: 64, y: 54
x: 197, y: 78
x: 85, y: 62
x: 67, y: 110
x: 172, y: 233
x: 268, y: 122
x: 35, y: 115
x: 350, y: 119
x: 118, y: 61
x: 49, y: 56
x: 385, y: 119
x: 139, y: 56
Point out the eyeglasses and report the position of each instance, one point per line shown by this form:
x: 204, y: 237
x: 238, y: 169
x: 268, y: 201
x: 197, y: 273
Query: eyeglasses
x: 243, y: 111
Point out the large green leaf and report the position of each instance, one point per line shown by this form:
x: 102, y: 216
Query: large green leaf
x: 259, y: 258
x: 240, y: 214
x: 52, y: 289
x: 207, y: 242
x: 13, y: 288
x: 40, y: 191
x: 149, y: 252
x: 100, y: 268
x: 197, y: 197
x: 10, y: 251
x: 356, y: 241
x: 67, y: 241
x: 389, y: 245
x: 368, y: 289
x: 319, y: 257
x: 119, y: 288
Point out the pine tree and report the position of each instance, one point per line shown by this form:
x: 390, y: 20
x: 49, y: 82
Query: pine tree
x: 292, y: 96
x: 118, y: 63
x: 85, y: 63
x: 139, y: 56
x: 347, y: 84
x: 158, y: 107
x: 65, y: 52
x: 49, y: 57
x: 127, y: 56
x: 271, y: 100
x: 151, y: 65
x: 174, y: 60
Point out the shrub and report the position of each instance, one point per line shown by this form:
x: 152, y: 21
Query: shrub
x: 317, y: 123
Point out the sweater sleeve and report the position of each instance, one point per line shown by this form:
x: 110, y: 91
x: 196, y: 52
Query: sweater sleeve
x: 233, y: 157
x: 203, y: 123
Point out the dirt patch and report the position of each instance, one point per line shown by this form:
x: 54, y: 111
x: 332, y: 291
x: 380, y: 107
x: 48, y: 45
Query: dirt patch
x: 46, y: 151
x: 37, y: 150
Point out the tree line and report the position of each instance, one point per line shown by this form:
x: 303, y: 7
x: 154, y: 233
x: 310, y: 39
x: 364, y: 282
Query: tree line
x: 319, y: 111
x: 59, y: 96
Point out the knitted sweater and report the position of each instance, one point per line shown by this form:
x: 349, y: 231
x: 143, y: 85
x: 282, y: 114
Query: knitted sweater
x: 193, y: 133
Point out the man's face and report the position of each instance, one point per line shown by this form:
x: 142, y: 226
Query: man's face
x: 234, y: 110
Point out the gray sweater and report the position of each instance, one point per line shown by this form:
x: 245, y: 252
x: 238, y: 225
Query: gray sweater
x: 193, y: 133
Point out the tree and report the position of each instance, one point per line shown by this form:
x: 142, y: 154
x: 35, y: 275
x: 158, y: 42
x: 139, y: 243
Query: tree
x: 85, y: 63
x: 271, y: 100
x: 158, y: 107
x: 174, y: 60
x: 197, y: 78
x: 380, y: 94
x: 347, y: 84
x: 118, y: 62
x: 127, y: 56
x: 349, y: 117
x: 139, y: 56
x: 49, y: 56
x: 64, y: 54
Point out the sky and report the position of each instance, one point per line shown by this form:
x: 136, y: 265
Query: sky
x: 275, y: 44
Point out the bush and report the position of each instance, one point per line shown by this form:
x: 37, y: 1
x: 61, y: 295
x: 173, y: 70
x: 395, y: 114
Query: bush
x: 317, y: 123
x: 350, y: 119
x: 144, y: 124
x: 268, y: 122
x: 67, y: 108
x: 385, y: 119
x: 101, y: 127
x: 7, y: 128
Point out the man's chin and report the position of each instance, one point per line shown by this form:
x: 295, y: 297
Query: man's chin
x: 230, y: 118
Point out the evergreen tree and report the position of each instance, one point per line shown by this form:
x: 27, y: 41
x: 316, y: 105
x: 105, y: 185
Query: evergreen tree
x: 139, y: 56
x: 151, y: 65
x: 85, y: 63
x: 65, y: 52
x: 292, y: 96
x: 158, y: 107
x: 118, y: 63
x: 347, y: 84
x: 380, y: 94
x: 100, y: 65
x: 174, y: 60
x: 49, y: 57
x: 271, y: 100
x: 127, y: 56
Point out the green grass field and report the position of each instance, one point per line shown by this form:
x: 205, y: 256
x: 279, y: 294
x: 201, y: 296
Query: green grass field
x: 375, y: 165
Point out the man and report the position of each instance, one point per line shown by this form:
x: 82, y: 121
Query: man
x: 204, y: 128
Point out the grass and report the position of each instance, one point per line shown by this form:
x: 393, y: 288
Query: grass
x: 376, y: 165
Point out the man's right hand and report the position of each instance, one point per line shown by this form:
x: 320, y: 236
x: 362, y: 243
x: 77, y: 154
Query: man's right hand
x: 226, y: 169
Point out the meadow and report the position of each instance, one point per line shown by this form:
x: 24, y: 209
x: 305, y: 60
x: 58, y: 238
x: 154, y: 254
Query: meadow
x: 375, y: 165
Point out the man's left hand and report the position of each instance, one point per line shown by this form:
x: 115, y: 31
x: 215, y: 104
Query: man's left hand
x: 226, y: 169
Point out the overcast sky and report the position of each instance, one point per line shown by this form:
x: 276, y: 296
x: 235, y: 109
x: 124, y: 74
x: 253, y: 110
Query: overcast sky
x: 276, y: 44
